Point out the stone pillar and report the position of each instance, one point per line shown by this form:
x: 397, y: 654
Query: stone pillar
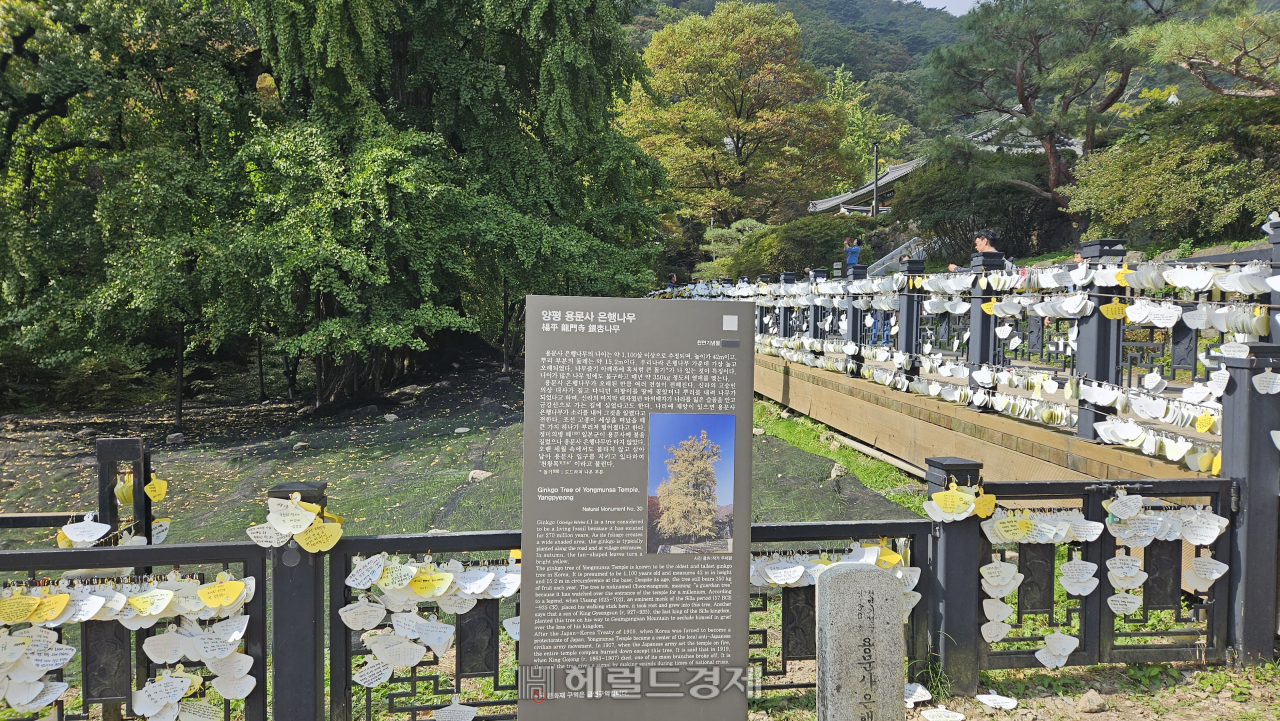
x: 1098, y: 342
x: 1249, y: 458
x: 957, y: 593
x: 861, y: 648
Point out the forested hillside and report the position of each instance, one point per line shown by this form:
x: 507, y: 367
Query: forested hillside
x: 865, y: 36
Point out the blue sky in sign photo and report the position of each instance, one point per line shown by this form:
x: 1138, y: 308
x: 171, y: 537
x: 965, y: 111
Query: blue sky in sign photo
x: 668, y: 429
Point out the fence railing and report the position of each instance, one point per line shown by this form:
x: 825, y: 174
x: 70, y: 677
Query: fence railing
x: 1174, y: 623
x: 111, y: 657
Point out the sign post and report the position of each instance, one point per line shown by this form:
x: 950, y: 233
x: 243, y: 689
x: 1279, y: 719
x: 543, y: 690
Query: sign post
x: 637, y: 509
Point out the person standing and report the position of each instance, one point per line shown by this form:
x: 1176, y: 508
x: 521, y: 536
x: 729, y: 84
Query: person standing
x: 851, y: 252
x: 983, y: 241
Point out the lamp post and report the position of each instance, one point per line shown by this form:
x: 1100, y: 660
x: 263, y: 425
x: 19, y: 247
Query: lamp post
x: 875, y: 179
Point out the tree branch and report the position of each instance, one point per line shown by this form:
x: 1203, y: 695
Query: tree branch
x: 1029, y: 186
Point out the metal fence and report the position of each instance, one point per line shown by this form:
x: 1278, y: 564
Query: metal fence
x: 112, y: 660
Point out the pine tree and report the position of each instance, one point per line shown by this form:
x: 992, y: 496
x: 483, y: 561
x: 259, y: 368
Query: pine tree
x: 687, y: 497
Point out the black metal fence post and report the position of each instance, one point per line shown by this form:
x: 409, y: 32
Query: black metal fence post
x: 298, y: 619
x: 908, y: 340
x: 854, y: 330
x: 762, y: 311
x: 1275, y: 266
x: 956, y: 591
x: 982, y: 327
x: 815, y: 310
x: 784, y: 312
x: 1098, y: 341
x: 1249, y: 457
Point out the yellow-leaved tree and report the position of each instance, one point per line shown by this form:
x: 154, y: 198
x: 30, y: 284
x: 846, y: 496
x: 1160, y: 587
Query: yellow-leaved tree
x: 687, y: 497
x: 741, y: 123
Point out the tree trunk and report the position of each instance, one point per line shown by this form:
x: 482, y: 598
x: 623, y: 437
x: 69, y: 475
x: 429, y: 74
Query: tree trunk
x: 506, y: 325
x: 290, y: 376
x: 262, y: 383
x: 182, y: 351
x: 319, y: 379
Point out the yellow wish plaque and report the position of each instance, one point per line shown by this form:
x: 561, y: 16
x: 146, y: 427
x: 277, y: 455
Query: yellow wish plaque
x: 888, y: 559
x: 430, y: 584
x: 1122, y: 276
x: 16, y: 608
x: 950, y: 501
x: 319, y: 537
x: 515, y: 553
x: 50, y: 608
x: 196, y: 679
x: 152, y: 602
x: 989, y: 307
x: 335, y: 518
x: 984, y: 505
x: 1014, y: 529
x: 1205, y: 461
x: 1113, y: 310
x: 124, y: 489
x: 63, y: 541
x: 221, y: 593
x: 1216, y: 468
x: 1204, y: 422
x: 156, y: 489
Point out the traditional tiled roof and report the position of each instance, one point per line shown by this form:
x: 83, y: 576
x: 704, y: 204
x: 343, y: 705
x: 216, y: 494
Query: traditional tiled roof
x: 983, y: 138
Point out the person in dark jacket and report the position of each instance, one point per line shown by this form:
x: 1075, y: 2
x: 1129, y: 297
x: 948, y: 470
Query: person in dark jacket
x: 983, y: 241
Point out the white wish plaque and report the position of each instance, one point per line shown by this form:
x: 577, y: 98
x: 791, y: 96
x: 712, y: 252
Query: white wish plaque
x: 366, y: 572
x: 1124, y: 604
x: 656, y: 500
x: 1234, y: 350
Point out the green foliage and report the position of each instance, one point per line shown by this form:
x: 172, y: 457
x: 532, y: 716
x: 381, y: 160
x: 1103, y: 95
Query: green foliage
x: 736, y: 117
x: 1055, y: 68
x: 1025, y: 684
x: 23, y: 383
x: 827, y: 44
x: 722, y: 244
x: 885, y: 30
x: 864, y: 127
x: 914, y: 27
x: 1230, y: 53
x: 107, y: 382
x: 1208, y: 172
x: 812, y: 242
x: 350, y: 178
x: 1151, y: 676
x: 963, y: 189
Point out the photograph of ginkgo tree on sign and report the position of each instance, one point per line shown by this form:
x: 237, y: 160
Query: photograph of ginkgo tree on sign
x: 690, y: 483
